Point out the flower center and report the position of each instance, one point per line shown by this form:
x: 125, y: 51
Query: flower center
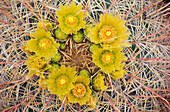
x: 107, y: 33
x: 44, y: 43
x: 71, y: 20
x: 39, y: 63
x: 79, y: 90
x: 107, y: 57
x: 62, y: 81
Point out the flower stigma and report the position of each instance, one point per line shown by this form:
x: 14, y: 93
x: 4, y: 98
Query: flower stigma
x: 79, y: 90
x: 107, y: 57
x: 71, y: 20
x: 62, y: 81
x: 44, y: 43
x: 107, y: 33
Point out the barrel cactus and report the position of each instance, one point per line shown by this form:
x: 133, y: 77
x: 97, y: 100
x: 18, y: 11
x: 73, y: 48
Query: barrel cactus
x: 88, y: 55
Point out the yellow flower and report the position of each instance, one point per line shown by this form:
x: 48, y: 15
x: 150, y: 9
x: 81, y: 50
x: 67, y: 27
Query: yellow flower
x: 71, y: 18
x: 98, y: 83
x: 110, y: 32
x: 45, y: 23
x: 108, y: 60
x: 27, y: 52
x: 61, y: 81
x: 118, y: 73
x: 81, y: 91
x: 43, y: 44
x: 37, y: 65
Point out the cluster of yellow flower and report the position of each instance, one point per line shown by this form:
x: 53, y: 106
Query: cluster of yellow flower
x: 108, y: 37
